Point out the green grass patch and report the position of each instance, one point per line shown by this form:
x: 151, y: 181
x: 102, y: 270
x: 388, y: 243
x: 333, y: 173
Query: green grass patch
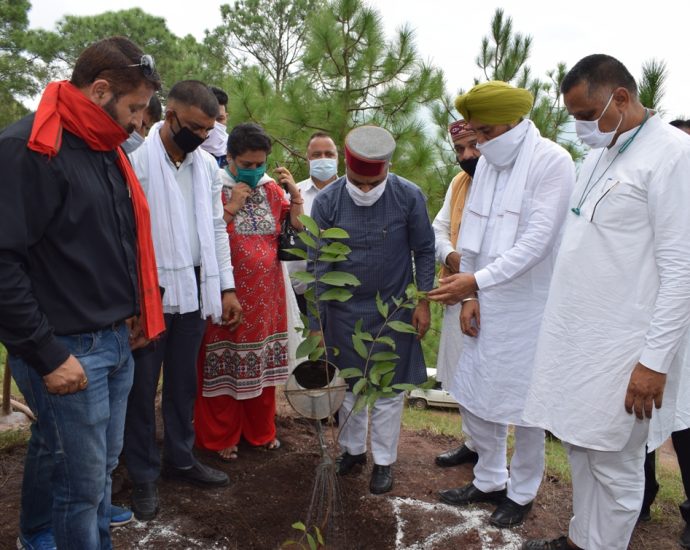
x: 436, y: 421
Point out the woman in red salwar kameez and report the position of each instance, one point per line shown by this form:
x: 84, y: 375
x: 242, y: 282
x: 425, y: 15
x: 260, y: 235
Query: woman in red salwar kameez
x: 239, y: 369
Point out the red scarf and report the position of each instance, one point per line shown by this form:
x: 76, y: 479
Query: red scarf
x: 63, y: 106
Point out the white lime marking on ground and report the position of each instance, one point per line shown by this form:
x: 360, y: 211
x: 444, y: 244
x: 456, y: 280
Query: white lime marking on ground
x: 468, y: 520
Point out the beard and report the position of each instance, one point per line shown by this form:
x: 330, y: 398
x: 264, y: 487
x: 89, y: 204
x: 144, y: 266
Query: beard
x: 109, y: 107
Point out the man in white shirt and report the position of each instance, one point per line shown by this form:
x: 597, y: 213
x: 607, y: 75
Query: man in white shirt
x: 322, y: 156
x: 508, y: 242
x: 446, y: 230
x: 183, y: 189
x: 619, y: 304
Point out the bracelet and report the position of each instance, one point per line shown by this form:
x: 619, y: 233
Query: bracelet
x: 228, y: 212
x: 296, y: 202
x: 470, y: 299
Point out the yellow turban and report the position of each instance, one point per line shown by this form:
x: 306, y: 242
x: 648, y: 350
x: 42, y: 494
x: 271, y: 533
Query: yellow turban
x: 494, y: 102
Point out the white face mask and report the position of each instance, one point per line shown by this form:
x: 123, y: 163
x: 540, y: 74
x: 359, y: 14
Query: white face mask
x: 217, y: 141
x: 361, y: 198
x: 590, y: 134
x: 133, y: 142
x: 323, y: 169
x: 502, y: 151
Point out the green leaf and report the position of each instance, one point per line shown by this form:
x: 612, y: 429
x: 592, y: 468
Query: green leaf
x: 339, y: 278
x: 299, y: 526
x: 359, y: 386
x: 397, y: 301
x: 401, y: 326
x: 387, y: 378
x: 317, y: 353
x: 372, y: 398
x: 319, y: 536
x: 360, y: 348
x: 383, y: 366
x: 306, y: 239
x: 360, y: 403
x: 404, y: 387
x: 336, y: 248
x: 358, y: 326
x: 297, y: 252
x: 339, y: 294
x: 335, y: 233
x: 383, y: 308
x: 386, y: 340
x: 385, y: 356
x: 309, y: 223
x: 308, y: 345
x: 350, y: 373
x: 411, y: 291
x: 330, y: 258
x: 311, y: 541
x: 303, y: 276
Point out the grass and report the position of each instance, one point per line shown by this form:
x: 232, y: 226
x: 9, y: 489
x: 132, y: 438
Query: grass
x: 448, y: 422
x: 11, y: 438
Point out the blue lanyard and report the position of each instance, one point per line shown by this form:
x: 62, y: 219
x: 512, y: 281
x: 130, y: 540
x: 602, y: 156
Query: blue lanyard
x: 588, y: 188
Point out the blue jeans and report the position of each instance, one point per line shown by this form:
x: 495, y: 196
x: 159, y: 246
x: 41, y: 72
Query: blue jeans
x: 76, y: 441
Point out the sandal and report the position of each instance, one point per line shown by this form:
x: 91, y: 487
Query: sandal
x: 229, y: 454
x: 273, y: 445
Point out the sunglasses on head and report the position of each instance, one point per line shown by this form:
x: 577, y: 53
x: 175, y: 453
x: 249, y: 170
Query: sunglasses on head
x: 147, y: 64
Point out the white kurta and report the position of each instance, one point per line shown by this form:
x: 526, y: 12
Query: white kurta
x: 495, y: 367
x: 450, y: 343
x: 620, y: 293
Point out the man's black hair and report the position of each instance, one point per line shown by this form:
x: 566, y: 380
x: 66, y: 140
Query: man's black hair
x: 248, y: 137
x: 680, y: 123
x: 599, y: 70
x: 195, y: 94
x: 221, y: 96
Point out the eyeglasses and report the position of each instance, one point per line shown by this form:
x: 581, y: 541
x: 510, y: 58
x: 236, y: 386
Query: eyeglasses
x: 147, y: 64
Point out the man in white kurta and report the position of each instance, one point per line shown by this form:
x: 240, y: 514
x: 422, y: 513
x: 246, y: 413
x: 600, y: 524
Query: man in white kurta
x: 619, y: 304
x: 446, y: 231
x: 508, y: 241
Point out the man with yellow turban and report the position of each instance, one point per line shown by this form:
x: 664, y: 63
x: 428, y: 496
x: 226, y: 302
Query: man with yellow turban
x: 508, y: 241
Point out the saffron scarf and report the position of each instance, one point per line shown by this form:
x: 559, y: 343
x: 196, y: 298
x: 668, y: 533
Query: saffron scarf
x: 64, y: 106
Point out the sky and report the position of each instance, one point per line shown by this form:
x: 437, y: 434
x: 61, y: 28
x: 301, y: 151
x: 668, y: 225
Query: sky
x: 449, y: 32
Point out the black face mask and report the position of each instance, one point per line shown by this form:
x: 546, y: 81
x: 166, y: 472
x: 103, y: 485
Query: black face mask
x: 185, y: 139
x: 469, y: 165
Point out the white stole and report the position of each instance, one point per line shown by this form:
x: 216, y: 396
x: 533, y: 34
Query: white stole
x: 171, y: 234
x: 522, y: 140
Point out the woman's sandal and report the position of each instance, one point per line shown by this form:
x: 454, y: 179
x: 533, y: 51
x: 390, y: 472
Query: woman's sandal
x: 273, y: 445
x: 229, y: 454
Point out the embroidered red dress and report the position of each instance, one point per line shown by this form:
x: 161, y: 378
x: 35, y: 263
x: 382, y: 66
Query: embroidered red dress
x: 239, y: 369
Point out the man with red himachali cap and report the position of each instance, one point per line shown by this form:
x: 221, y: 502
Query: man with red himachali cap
x: 446, y: 228
x: 76, y: 265
x: 508, y: 242
x: 392, y: 242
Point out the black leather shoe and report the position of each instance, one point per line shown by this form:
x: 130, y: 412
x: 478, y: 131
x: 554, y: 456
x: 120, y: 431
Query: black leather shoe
x: 685, y: 537
x: 460, y: 455
x: 346, y: 462
x: 468, y: 494
x: 509, y: 513
x: 381, y: 479
x: 560, y: 543
x: 199, y: 474
x: 145, y: 501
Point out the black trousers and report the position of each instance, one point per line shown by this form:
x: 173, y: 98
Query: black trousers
x: 681, y: 444
x: 176, y: 352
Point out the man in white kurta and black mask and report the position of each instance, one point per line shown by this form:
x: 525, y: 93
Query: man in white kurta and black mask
x: 619, y: 304
x: 508, y: 241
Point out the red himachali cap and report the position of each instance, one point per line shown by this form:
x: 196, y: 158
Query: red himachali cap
x: 368, y: 150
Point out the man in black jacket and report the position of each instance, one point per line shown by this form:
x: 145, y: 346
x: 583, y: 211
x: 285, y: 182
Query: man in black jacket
x: 76, y: 266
